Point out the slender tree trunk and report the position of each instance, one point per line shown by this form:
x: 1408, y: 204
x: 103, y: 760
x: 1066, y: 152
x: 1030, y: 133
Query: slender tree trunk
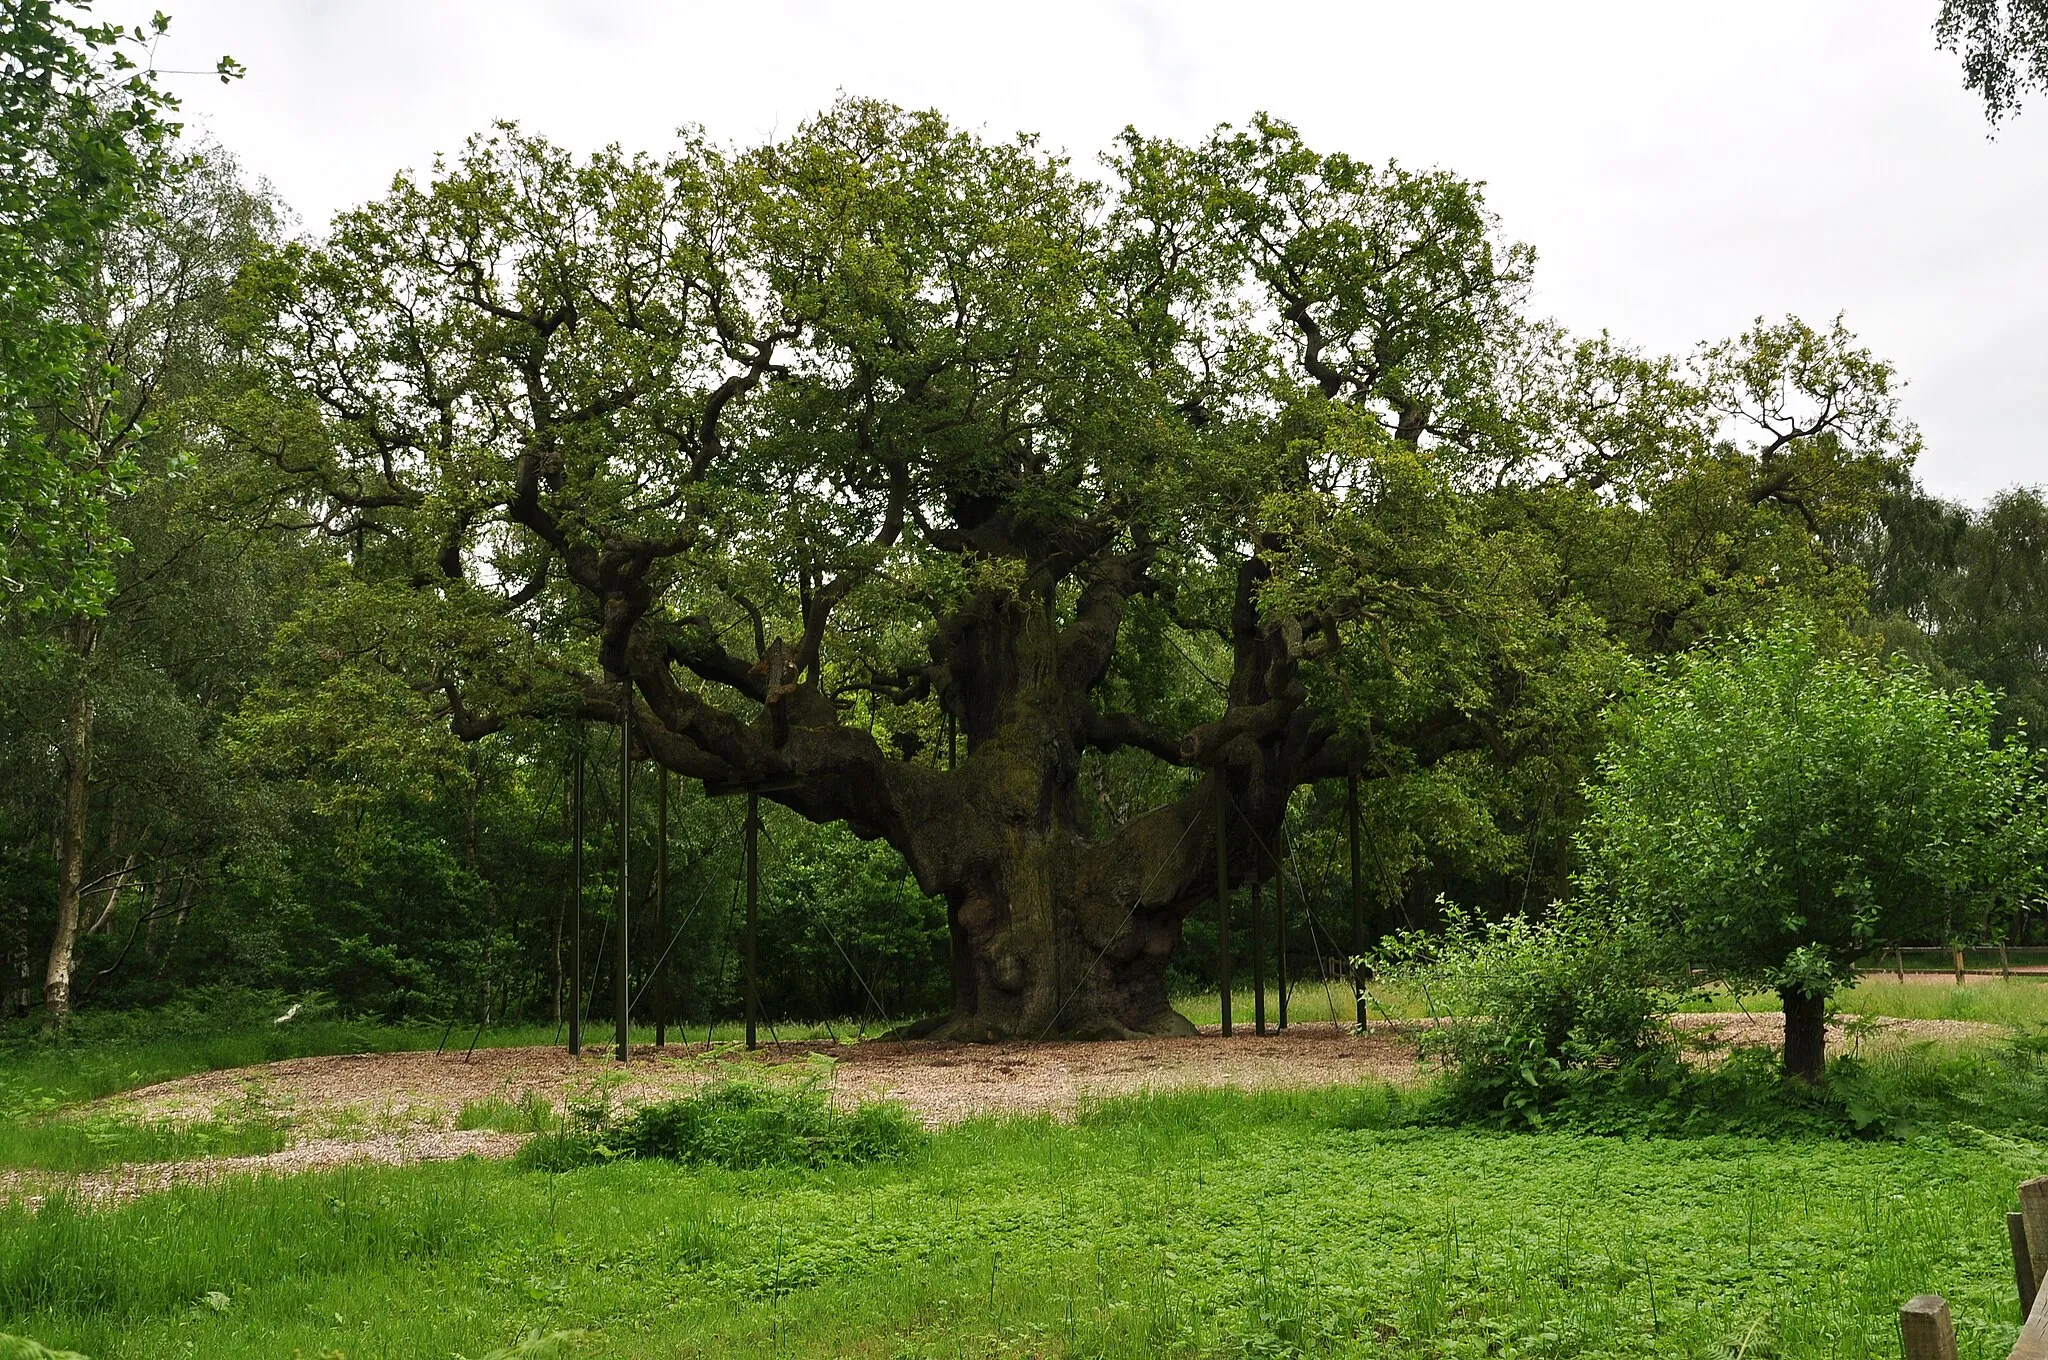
x: 178, y: 922
x: 18, y: 978
x: 110, y: 901
x: 1806, y: 1034
x: 78, y: 716
x: 152, y: 914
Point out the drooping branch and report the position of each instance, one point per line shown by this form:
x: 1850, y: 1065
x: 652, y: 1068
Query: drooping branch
x: 1115, y: 731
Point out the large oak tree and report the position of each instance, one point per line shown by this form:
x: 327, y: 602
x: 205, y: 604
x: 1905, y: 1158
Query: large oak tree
x: 1241, y: 462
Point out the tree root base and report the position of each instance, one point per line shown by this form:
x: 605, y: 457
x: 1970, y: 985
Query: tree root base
x: 975, y: 1029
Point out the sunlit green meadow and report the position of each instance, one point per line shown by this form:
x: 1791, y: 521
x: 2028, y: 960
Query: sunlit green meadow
x: 1194, y: 1225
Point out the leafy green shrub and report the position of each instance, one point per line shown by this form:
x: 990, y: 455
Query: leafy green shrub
x: 21, y: 1348
x: 1538, y: 1010
x: 738, y: 1125
x: 1781, y: 810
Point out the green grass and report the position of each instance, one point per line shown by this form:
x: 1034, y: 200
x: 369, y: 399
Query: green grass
x: 2017, y: 1002
x: 531, y: 1113
x: 1208, y: 1224
x: 71, y: 1145
x: 1309, y: 1004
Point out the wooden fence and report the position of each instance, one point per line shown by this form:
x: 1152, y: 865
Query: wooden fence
x: 1893, y: 962
x: 1924, y: 1324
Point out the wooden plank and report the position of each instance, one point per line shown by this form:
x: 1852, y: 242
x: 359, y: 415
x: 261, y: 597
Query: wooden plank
x: 2033, y: 1341
x: 2034, y: 1210
x: 1926, y: 1330
x: 2022, y: 1262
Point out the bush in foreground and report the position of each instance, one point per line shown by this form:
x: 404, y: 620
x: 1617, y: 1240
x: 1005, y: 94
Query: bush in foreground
x: 1542, y: 1010
x: 738, y: 1125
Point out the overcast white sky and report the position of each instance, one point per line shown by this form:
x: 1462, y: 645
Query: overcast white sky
x: 1681, y: 169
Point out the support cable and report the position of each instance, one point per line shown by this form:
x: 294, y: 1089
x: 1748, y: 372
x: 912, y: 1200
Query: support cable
x: 851, y: 965
x: 672, y: 941
x: 1260, y: 843
x: 1136, y: 902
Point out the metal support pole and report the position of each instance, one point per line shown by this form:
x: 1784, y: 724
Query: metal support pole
x: 751, y: 838
x: 576, y: 910
x: 1357, y: 900
x: 622, y: 995
x: 1223, y: 896
x: 661, y: 909
x: 1280, y: 918
x: 1258, y: 954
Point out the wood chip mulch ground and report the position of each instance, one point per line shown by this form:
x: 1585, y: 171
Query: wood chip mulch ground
x: 941, y: 1083
x: 394, y: 1108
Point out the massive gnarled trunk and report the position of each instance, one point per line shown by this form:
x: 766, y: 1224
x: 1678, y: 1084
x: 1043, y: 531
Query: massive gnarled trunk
x: 1058, y: 928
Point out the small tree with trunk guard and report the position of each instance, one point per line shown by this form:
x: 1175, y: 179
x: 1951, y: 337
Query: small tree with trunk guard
x: 1784, y: 811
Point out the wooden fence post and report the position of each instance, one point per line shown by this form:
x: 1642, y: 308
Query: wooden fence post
x: 1959, y: 967
x: 2034, y: 1215
x: 2022, y: 1261
x: 1899, y: 958
x: 1926, y: 1330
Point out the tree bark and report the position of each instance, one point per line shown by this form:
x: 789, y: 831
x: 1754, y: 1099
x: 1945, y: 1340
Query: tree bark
x: 1806, y: 1034
x: 18, y: 959
x: 1056, y: 931
x: 110, y: 900
x: 78, y: 719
